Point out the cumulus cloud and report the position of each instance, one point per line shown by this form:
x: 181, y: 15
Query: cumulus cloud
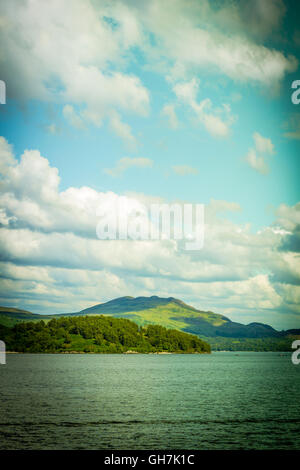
x: 78, y: 57
x: 52, y: 259
x: 225, y: 46
x: 288, y: 217
x: 69, y: 56
x: 256, y: 155
x: 6, y: 155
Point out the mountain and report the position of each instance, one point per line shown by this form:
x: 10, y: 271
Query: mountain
x: 168, y: 312
x: 173, y: 313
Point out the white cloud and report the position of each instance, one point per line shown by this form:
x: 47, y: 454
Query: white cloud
x: 123, y: 130
x: 206, y: 114
x: 169, y: 111
x: 288, y: 216
x: 292, y: 127
x: 257, y: 162
x: 183, y: 170
x: 213, y: 124
x: 187, y: 91
x: 53, y: 129
x: 256, y: 156
x: 74, y: 119
x: 263, y: 144
x: 6, y: 155
x: 69, y: 55
x: 51, y: 257
x: 90, y: 77
x: 184, y: 37
x: 124, y: 163
x: 262, y: 17
x: 79, y: 57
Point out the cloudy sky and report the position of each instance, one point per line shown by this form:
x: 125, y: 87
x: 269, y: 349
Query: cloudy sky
x: 151, y: 101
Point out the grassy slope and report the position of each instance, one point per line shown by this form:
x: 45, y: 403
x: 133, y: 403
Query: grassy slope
x: 171, y: 315
x: 10, y: 316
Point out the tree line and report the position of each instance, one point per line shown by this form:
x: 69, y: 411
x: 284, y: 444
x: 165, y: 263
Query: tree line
x: 97, y: 334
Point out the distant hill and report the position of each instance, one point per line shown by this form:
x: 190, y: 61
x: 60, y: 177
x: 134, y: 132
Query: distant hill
x: 11, y: 316
x: 168, y: 312
x: 172, y: 313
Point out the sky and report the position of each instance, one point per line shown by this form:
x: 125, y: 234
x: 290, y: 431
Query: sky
x: 164, y: 101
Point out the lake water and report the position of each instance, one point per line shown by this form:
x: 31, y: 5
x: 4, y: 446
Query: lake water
x: 130, y: 402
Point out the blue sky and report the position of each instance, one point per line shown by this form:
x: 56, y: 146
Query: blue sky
x: 196, y: 96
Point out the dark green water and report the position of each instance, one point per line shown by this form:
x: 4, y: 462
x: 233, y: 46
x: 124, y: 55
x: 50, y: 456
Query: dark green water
x: 217, y: 401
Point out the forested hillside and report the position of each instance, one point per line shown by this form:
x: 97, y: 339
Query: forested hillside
x: 101, y: 334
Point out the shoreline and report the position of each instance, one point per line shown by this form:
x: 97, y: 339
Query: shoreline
x: 160, y: 353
